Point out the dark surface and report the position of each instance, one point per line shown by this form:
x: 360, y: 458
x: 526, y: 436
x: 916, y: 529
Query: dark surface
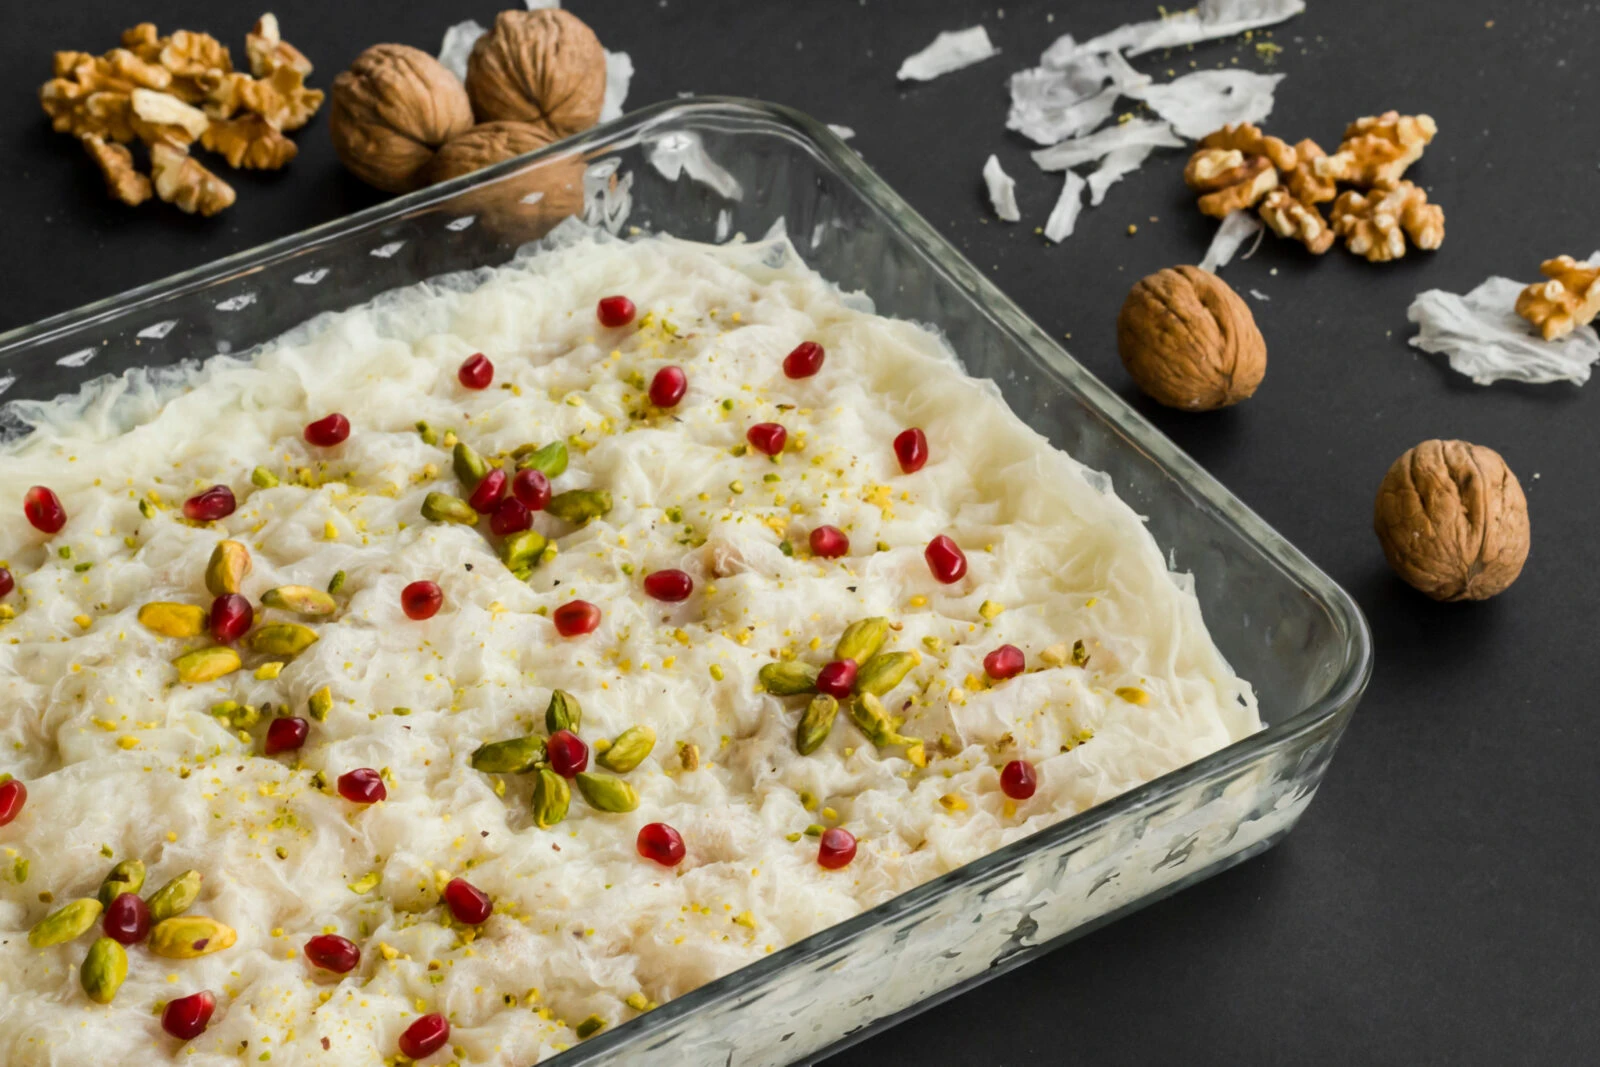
x: 1436, y: 904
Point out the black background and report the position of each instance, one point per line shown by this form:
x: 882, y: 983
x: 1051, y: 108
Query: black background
x: 1437, y: 903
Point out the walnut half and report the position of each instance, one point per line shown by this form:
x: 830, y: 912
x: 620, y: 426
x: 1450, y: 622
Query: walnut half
x: 1375, y: 224
x: 1378, y: 148
x: 1570, y: 298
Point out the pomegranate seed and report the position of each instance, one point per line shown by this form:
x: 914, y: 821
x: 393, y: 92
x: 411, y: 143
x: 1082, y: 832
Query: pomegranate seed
x: 421, y: 600
x: 286, y: 735
x: 127, y: 919
x: 13, y: 794
x: 532, y: 488
x: 333, y: 953
x: 510, y: 516
x: 945, y: 559
x: 1017, y: 780
x: 187, y: 1017
x: 660, y: 842
x: 669, y: 585
x: 837, y: 678
x: 1004, y: 662
x: 668, y: 387
x: 7, y: 582
x: 829, y: 542
x: 362, y: 786
x: 328, y: 431
x: 804, y: 361
x: 568, y: 755
x: 614, y: 311
x: 477, y: 372
x: 911, y: 449
x: 489, y: 491
x: 231, y: 616
x: 767, y: 437
x: 44, y: 509
x: 468, y: 903
x: 838, y: 848
x: 575, y: 617
x: 425, y: 1036
x: 209, y: 506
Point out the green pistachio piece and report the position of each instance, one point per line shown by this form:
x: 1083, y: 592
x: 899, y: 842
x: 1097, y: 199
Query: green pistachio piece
x: 225, y: 573
x: 206, y: 664
x: 628, y: 750
x: 883, y: 672
x: 564, y: 712
x: 578, y: 506
x: 862, y: 639
x: 185, y: 937
x: 867, y: 712
x: 442, y: 507
x: 1080, y: 654
x: 65, y: 923
x: 429, y: 435
x: 320, y: 704
x: 300, y: 599
x: 147, y: 509
x: 282, y: 639
x: 523, y: 549
x: 244, y: 716
x: 787, y: 679
x: 515, y: 756
x: 104, y: 970
x: 175, y: 897
x: 125, y: 877
x: 590, y: 1026
x: 470, y: 467
x: 606, y: 793
x: 551, y: 797
x: 173, y: 620
x: 815, y: 723
x: 262, y: 478
x: 336, y: 583
x: 551, y: 460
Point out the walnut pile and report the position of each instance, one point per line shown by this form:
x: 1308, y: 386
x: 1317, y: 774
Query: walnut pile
x: 1453, y: 521
x: 1569, y: 299
x: 167, y: 93
x: 1239, y: 167
x: 1189, y: 341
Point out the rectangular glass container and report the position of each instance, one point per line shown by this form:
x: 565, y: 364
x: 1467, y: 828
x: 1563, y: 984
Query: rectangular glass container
x: 710, y: 168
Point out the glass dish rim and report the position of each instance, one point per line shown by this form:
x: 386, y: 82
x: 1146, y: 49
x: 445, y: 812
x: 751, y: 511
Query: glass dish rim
x: 1344, y: 689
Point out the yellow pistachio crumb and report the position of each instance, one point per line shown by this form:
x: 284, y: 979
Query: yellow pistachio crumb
x: 958, y: 696
x: 746, y: 919
x: 990, y: 610
x: 1133, y: 695
x: 268, y: 671
x: 83, y: 621
x: 951, y: 802
x: 127, y: 741
x: 1009, y: 807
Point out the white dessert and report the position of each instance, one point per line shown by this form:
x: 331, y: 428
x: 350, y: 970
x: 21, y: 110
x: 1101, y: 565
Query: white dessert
x: 123, y: 761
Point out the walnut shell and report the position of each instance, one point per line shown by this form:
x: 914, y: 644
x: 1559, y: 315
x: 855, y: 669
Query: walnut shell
x: 1453, y: 521
x: 538, y: 66
x: 1189, y: 341
x: 391, y: 110
x: 509, y: 206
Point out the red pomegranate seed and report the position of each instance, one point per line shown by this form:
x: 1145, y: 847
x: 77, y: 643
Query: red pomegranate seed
x: 425, y: 1036
x: 668, y: 387
x: 945, y: 559
x: 532, y: 488
x: 660, y: 842
x: 669, y: 585
x: 421, y: 600
x: 362, y: 786
x: 1004, y: 662
x: 829, y: 542
x: 1017, y: 780
x: 13, y: 795
x: 838, y: 848
x: 614, y: 311
x: 468, y: 903
x: 328, y: 431
x: 209, y: 506
x: 767, y: 437
x: 488, y: 492
x: 477, y: 372
x: 911, y: 449
x: 285, y: 735
x: 127, y: 919
x: 333, y: 953
x: 510, y: 516
x: 231, y: 616
x: 575, y: 617
x: 44, y: 509
x: 837, y: 678
x: 804, y: 361
x: 568, y: 755
x: 7, y: 582
x: 186, y: 1017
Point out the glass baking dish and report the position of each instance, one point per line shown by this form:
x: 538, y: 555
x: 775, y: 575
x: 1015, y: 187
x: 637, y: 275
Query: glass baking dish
x: 707, y: 169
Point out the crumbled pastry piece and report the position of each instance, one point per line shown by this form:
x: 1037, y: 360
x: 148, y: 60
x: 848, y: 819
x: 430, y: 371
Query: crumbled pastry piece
x: 1246, y: 137
x: 163, y: 117
x: 281, y: 98
x: 123, y: 182
x: 1231, y: 180
x: 182, y: 181
x: 249, y: 142
x: 1570, y: 298
x: 1378, y: 148
x: 1287, y: 216
x: 267, y: 50
x: 1375, y: 224
x: 1305, y: 183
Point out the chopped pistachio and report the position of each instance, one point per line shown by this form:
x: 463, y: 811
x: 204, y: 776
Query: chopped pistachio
x: 262, y: 478
x: 336, y: 583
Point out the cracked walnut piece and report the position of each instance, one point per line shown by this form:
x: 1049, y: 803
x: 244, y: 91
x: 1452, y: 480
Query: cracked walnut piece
x: 1230, y: 180
x: 1247, y: 138
x: 1287, y: 216
x: 116, y: 163
x: 1376, y: 224
x: 182, y: 181
x: 161, y: 117
x: 1378, y: 148
x: 267, y: 50
x: 249, y: 142
x: 1570, y: 298
x: 1305, y: 183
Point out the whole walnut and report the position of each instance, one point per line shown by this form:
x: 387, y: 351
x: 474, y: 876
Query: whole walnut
x: 391, y: 110
x: 1189, y: 341
x: 1453, y: 521
x: 522, y: 206
x: 542, y: 67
